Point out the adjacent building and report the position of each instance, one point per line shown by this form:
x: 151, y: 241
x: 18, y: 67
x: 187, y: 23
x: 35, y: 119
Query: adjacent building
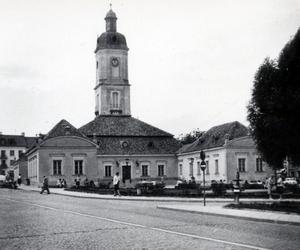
x: 11, y: 148
x: 228, y: 148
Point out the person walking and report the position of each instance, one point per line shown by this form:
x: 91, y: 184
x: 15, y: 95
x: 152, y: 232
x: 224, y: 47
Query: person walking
x: 45, y: 185
x: 19, y: 180
x: 116, y: 183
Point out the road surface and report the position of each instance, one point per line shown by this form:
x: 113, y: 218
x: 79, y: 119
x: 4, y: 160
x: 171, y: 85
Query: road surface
x: 29, y: 220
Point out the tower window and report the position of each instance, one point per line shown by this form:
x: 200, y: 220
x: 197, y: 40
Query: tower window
x: 97, y: 64
x: 115, y: 100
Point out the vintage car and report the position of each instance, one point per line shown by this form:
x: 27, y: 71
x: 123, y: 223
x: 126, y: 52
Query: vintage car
x: 290, y: 181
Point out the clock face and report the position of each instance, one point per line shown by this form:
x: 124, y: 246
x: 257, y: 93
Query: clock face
x: 114, y: 62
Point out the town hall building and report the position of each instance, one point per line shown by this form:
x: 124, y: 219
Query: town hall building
x: 114, y: 141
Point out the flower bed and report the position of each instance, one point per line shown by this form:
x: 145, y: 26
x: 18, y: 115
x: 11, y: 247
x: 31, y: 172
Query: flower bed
x: 282, y: 206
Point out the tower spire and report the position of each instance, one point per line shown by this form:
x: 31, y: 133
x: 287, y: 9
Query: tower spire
x: 111, y: 20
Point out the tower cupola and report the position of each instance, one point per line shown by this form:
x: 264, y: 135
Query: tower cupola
x: 111, y: 21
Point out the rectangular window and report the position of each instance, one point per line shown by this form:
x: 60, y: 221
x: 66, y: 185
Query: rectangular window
x: 144, y: 170
x: 259, y: 165
x: 2, y: 152
x: 161, y: 170
x: 11, y: 162
x: 242, y: 164
x: 216, y: 166
x: 78, y: 167
x: 12, y: 153
x: 20, y: 152
x: 180, y: 169
x: 207, y: 167
x: 198, y: 168
x: 57, y: 167
x: 108, y: 171
x: 191, y: 169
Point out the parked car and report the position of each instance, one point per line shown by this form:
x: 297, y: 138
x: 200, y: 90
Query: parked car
x: 290, y: 181
x: 253, y: 185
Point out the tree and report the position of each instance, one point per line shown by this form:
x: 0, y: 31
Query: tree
x: 274, y: 108
x: 190, y: 137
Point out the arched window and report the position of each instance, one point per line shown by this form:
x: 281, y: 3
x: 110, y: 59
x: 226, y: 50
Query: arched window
x: 115, y: 100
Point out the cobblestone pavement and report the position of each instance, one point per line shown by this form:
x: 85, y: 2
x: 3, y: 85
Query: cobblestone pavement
x: 29, y: 220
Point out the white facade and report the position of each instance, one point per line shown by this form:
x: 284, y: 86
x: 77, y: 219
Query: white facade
x: 223, y: 162
x: 11, y: 154
x: 216, y: 165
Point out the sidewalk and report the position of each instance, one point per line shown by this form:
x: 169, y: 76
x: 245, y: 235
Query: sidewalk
x: 192, y: 205
x: 246, y: 214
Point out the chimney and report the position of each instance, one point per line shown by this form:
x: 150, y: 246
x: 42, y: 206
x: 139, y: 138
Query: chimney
x: 95, y: 138
x: 23, y: 133
x: 226, y: 139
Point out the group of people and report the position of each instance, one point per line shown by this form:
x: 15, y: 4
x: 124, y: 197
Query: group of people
x: 61, y: 183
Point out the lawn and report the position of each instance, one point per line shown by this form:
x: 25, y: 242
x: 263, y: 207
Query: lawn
x: 278, y: 206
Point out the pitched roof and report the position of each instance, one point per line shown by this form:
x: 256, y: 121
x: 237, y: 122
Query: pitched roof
x: 215, y: 137
x: 63, y: 128
x: 137, y: 145
x: 120, y: 126
x: 17, y: 141
x: 242, y: 142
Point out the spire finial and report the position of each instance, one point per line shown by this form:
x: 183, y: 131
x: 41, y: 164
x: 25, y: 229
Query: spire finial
x: 110, y: 5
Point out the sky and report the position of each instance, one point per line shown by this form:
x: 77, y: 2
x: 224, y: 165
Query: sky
x: 191, y: 63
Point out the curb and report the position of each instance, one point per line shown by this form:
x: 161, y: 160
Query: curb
x: 233, y: 216
x: 143, y: 198
x: 126, y: 198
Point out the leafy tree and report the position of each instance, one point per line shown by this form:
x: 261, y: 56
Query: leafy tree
x: 190, y: 137
x: 274, y: 108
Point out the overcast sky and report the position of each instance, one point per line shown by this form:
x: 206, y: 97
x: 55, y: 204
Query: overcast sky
x: 191, y: 63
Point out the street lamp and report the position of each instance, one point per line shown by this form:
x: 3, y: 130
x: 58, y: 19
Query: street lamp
x: 203, y: 167
x: 237, y: 187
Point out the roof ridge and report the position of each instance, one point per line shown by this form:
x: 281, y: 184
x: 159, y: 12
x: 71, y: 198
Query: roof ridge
x: 121, y: 126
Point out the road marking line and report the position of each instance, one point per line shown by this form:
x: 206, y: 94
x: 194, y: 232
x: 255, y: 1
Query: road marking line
x: 140, y: 226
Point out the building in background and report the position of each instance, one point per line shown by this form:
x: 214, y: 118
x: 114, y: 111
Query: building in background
x: 11, y: 147
x: 228, y: 149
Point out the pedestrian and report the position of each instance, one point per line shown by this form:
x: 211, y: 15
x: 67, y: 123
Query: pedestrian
x: 116, y: 183
x: 64, y: 183
x: 45, y: 185
x: 19, y: 180
x: 280, y: 187
x: 77, y: 182
x: 269, y: 184
x: 58, y: 183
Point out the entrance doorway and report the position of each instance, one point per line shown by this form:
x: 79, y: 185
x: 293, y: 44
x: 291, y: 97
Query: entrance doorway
x: 126, y: 173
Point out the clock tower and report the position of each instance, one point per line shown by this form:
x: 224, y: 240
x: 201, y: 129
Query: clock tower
x: 112, y: 90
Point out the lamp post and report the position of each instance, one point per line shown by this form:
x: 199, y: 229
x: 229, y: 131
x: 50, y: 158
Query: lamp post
x: 237, y: 187
x: 203, y: 167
